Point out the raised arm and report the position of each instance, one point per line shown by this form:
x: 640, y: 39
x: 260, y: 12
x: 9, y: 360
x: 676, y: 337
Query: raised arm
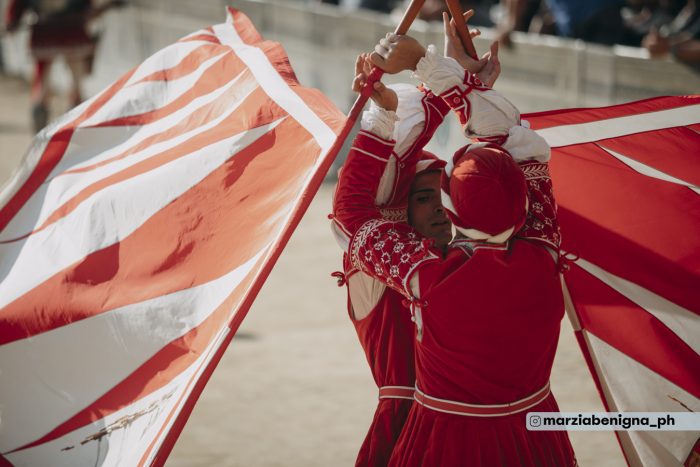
x: 394, y: 247
x: 358, y: 181
x: 486, y: 117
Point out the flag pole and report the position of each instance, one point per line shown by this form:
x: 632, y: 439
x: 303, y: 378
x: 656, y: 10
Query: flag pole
x: 461, y: 27
x: 376, y: 74
x: 163, y: 451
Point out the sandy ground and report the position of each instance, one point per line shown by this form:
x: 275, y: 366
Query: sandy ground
x: 293, y: 388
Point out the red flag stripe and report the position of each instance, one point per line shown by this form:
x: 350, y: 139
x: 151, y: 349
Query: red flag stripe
x: 36, y: 168
x: 202, y: 37
x: 684, y: 323
x: 193, y: 119
x: 176, y: 258
x: 623, y: 325
x: 56, y: 192
x: 168, y: 57
x: 157, y: 371
x: 210, y: 79
x: 288, y: 202
x: 552, y: 118
x: 188, y: 65
x: 675, y: 151
x: 220, y: 132
x: 620, y: 199
x: 104, y: 337
x: 566, y: 135
x: 52, y: 154
x: 277, y: 84
x: 206, y: 34
x: 649, y: 171
x: 130, y: 203
x: 187, y: 393
x: 244, y: 27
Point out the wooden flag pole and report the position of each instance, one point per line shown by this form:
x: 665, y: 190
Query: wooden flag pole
x: 376, y: 74
x: 461, y: 27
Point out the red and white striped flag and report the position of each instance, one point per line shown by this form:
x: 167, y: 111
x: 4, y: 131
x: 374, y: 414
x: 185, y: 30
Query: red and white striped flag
x: 627, y: 182
x: 134, y: 237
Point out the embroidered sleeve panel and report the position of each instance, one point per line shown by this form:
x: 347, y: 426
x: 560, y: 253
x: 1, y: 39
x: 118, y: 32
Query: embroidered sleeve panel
x: 395, y: 214
x: 457, y: 96
x: 436, y: 102
x: 390, y: 252
x: 541, y: 223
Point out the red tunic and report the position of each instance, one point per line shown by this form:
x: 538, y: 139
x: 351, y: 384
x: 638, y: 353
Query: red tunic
x: 488, y: 322
x: 386, y: 334
x: 61, y: 28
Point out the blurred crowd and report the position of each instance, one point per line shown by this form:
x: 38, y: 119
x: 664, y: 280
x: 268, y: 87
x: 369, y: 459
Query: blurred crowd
x: 663, y: 27
x: 57, y: 28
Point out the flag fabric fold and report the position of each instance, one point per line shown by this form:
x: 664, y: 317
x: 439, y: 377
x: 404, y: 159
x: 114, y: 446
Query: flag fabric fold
x: 627, y: 180
x: 134, y: 237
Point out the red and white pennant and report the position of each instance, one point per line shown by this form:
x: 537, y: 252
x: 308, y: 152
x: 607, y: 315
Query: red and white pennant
x: 627, y: 180
x: 134, y: 237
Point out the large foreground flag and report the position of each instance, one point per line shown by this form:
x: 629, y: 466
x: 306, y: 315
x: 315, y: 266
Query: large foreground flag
x: 134, y: 237
x: 627, y: 183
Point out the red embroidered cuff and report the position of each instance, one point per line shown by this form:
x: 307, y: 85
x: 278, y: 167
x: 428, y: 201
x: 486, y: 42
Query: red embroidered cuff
x: 390, y: 252
x: 456, y: 96
x: 541, y: 223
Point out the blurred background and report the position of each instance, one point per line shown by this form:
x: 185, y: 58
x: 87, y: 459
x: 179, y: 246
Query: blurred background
x: 578, y: 53
x: 293, y: 388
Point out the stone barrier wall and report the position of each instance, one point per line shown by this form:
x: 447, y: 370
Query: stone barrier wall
x: 539, y: 72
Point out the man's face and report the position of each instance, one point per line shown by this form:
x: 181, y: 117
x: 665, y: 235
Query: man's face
x: 425, y: 211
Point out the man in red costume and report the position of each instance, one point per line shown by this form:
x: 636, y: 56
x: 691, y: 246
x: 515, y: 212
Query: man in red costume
x: 409, y: 190
x: 487, y: 313
x: 61, y: 28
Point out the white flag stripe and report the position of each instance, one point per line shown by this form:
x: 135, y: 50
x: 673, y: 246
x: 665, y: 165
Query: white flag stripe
x: 127, y: 442
x: 164, y: 59
x: 567, y: 135
x: 51, y: 196
x: 649, y: 392
x: 171, y: 56
x: 34, y: 211
x: 77, y: 157
x: 113, y: 339
x: 649, y: 171
x: 174, y: 53
x: 38, y: 147
x: 22, y: 172
x: 187, y: 390
x: 36, y: 150
x: 130, y: 203
x: 684, y: 323
x: 273, y: 84
x: 208, y: 356
x: 160, y: 94
x: 129, y: 197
